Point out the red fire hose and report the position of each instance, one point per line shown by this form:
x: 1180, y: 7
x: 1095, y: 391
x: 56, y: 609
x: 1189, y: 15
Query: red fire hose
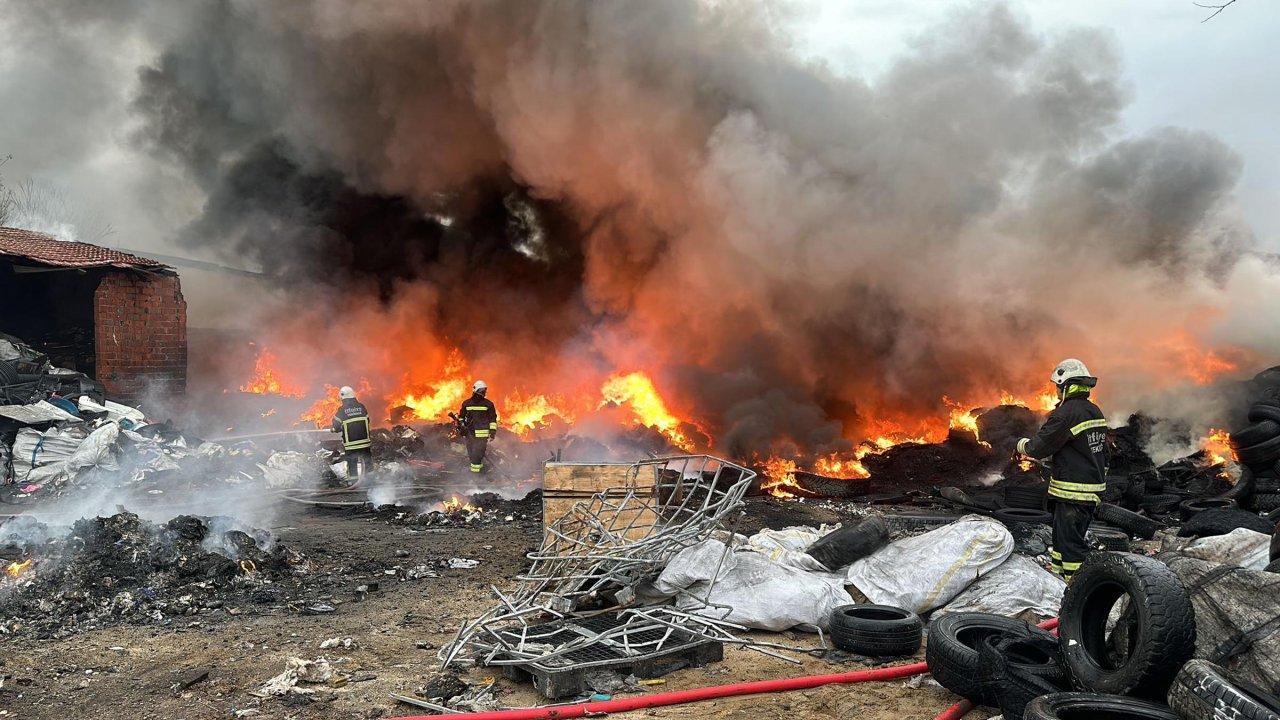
x: 679, y: 697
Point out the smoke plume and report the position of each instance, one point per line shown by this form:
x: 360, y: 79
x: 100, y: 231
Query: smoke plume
x: 562, y: 190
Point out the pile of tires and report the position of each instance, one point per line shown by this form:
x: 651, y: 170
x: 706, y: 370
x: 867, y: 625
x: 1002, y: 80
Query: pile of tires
x: 1014, y: 671
x: 1257, y: 444
x: 876, y: 630
x: 955, y: 648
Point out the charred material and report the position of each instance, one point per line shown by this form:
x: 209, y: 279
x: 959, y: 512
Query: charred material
x: 121, y: 568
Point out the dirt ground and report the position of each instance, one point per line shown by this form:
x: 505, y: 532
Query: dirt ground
x: 136, y: 671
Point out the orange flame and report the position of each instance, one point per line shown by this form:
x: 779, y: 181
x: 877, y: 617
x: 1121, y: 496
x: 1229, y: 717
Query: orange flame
x: 267, y: 379
x: 524, y: 414
x: 321, y: 411
x: 14, y: 569
x: 636, y: 391
x: 779, y: 474
x: 456, y: 505
x: 1217, y: 445
x: 1199, y: 364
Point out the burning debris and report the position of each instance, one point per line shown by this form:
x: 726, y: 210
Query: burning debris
x: 124, y: 569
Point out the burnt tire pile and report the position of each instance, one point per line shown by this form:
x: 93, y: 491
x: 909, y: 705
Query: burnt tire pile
x: 1257, y: 447
x: 876, y: 630
x: 1124, y: 647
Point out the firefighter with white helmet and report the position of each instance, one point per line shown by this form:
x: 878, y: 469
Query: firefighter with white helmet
x: 1074, y: 442
x: 479, y: 420
x: 352, y: 422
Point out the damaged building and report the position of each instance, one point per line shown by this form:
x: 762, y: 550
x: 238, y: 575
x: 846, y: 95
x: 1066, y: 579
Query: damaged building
x: 111, y: 315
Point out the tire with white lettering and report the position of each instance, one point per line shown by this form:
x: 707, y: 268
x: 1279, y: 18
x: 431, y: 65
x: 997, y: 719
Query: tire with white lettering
x: 1163, y: 620
x: 1202, y: 691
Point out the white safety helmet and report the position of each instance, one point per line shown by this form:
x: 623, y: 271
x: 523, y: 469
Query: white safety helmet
x: 1069, y: 369
x: 346, y: 393
x: 480, y: 386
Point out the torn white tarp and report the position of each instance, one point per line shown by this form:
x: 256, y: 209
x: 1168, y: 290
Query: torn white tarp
x: 750, y: 589
x: 787, y: 546
x: 115, y: 411
x: 58, y: 454
x: 291, y: 469
x: 927, y: 571
x: 1241, y: 547
x: 35, y: 413
x: 1018, y: 585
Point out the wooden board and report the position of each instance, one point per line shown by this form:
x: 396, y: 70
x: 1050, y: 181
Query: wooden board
x: 566, y: 484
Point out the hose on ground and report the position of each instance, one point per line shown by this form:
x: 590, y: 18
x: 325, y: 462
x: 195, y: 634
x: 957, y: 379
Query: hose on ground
x: 680, y: 697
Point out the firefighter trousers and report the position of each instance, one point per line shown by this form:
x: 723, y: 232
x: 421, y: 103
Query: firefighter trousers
x: 1070, y: 523
x: 475, y: 452
x: 358, y: 462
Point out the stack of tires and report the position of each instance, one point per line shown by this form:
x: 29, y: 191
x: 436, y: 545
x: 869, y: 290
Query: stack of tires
x: 1257, y: 447
x: 1124, y: 648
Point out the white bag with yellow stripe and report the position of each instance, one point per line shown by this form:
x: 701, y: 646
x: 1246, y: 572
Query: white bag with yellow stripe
x: 925, y: 572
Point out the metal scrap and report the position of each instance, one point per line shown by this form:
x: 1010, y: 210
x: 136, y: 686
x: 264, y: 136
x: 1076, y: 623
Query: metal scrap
x: 580, y: 604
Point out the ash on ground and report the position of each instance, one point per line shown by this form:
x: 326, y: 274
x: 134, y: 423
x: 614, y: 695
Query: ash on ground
x: 109, y: 570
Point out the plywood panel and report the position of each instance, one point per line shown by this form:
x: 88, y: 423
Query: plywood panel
x: 565, y: 484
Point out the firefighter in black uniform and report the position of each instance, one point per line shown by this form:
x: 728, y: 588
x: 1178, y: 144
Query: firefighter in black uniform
x: 352, y: 422
x: 1074, y: 441
x: 479, y: 423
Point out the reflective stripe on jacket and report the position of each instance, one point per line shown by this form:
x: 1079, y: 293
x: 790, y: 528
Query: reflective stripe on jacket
x: 352, y: 420
x: 480, y: 416
x: 1074, y: 437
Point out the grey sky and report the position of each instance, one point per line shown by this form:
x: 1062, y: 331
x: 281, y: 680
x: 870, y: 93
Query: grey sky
x: 1219, y: 76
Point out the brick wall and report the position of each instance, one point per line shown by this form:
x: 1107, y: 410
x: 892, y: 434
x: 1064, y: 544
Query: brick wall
x: 140, y: 331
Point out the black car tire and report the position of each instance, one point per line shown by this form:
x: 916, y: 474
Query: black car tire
x: 1160, y: 504
x: 1025, y: 496
x: 1190, y: 508
x: 1079, y: 706
x: 876, y: 630
x: 1264, y: 502
x: 1016, y: 671
x: 1163, y: 621
x: 1140, y: 525
x: 1202, y: 691
x: 1108, y: 538
x: 1255, y: 433
x: 1222, y: 521
x: 1262, y: 455
x: 1260, y: 411
x: 1009, y: 516
x: 952, y: 650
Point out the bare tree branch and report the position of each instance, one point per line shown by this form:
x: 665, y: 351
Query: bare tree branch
x: 6, y: 197
x: 1215, y: 8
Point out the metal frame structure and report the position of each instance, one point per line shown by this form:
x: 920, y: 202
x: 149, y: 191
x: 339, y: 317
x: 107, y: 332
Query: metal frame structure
x: 576, y: 606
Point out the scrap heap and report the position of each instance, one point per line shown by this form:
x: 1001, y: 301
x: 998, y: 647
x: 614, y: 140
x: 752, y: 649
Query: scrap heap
x: 577, y: 604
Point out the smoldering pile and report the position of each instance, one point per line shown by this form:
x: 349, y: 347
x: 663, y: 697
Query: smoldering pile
x: 476, y: 510
x: 122, y: 569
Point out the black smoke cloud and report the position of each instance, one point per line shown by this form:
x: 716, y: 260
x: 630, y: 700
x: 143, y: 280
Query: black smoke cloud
x: 667, y: 185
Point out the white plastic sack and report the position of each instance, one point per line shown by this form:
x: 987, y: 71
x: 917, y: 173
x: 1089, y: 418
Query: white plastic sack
x: 761, y: 593
x: 1241, y: 547
x: 57, y: 454
x: 1019, y: 584
x: 787, y: 546
x: 929, y: 570
x: 291, y: 469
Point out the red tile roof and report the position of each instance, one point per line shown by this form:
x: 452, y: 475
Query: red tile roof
x: 49, y: 250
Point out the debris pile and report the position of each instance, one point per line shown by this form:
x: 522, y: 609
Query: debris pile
x: 576, y: 605
x: 124, y: 569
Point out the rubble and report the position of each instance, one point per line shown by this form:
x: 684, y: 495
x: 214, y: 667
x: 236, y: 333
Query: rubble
x: 123, y: 569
